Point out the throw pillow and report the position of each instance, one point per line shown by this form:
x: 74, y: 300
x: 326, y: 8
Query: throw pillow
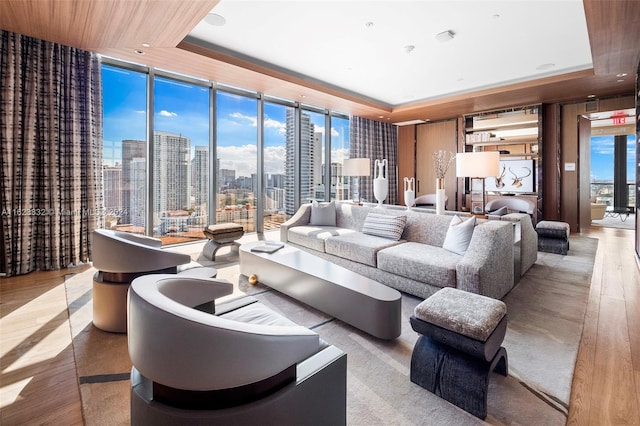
x: 323, y: 214
x: 385, y: 226
x: 459, y: 235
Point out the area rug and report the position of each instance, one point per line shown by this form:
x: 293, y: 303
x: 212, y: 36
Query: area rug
x: 546, y: 311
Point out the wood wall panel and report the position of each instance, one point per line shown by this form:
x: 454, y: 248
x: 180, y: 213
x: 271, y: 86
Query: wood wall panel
x: 432, y: 137
x: 549, y: 179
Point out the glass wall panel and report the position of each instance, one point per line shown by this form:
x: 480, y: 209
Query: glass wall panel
x: 339, y: 152
x: 311, y: 157
x: 602, y: 169
x: 180, y: 160
x: 236, y: 159
x: 279, y: 126
x: 124, y: 153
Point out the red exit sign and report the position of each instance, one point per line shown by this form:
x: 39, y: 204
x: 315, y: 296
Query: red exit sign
x: 619, y: 120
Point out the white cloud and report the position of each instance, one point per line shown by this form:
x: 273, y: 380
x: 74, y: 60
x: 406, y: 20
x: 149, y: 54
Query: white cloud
x: 239, y: 116
x: 270, y: 123
x: 165, y: 113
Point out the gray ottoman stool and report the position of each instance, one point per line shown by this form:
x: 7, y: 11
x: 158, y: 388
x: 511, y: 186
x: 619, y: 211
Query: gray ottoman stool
x: 553, y: 236
x: 459, y: 347
x: 220, y: 235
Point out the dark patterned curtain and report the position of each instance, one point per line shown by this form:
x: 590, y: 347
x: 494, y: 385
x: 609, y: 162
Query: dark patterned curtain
x: 51, y: 153
x: 376, y: 141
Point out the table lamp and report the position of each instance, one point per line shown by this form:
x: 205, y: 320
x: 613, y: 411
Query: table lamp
x: 477, y: 166
x: 356, y: 167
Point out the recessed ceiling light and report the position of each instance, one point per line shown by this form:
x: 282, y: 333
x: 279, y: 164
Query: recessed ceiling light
x: 622, y: 74
x: 215, y: 19
x: 408, y: 48
x: 545, y: 66
x: 146, y: 44
x: 139, y: 51
x: 445, y: 36
x: 368, y: 24
x: 620, y: 80
x: 591, y: 96
x: 496, y: 16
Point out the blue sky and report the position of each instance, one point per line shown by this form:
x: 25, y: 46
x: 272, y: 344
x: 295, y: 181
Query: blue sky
x: 602, y: 158
x: 183, y: 109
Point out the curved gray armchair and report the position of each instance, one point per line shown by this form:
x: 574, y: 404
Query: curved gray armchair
x: 513, y: 205
x: 429, y: 200
x: 124, y: 253
x: 238, y: 362
x: 119, y: 258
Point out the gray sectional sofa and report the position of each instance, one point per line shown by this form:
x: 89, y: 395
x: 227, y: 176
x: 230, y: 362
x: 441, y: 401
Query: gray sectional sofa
x: 417, y: 263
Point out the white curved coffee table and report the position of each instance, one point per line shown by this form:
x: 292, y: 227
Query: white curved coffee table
x: 357, y: 300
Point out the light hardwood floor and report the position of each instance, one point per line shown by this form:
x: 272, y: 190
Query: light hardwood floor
x: 39, y: 384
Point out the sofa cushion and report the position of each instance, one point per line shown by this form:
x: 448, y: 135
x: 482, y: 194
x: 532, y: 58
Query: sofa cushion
x: 314, y: 237
x: 323, y: 214
x: 420, y: 262
x: 459, y: 235
x: 385, y: 226
x: 358, y: 247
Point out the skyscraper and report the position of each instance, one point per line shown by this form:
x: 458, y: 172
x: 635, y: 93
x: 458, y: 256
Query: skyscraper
x: 137, y: 191
x: 307, y: 162
x: 130, y: 149
x: 112, y: 189
x: 200, y: 173
x: 170, y: 172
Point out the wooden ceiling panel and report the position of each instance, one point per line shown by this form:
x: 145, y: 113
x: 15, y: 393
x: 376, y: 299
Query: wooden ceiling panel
x: 614, y: 34
x: 104, y: 23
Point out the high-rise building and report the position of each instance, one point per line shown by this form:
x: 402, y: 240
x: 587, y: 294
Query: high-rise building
x: 112, y: 190
x: 137, y: 191
x: 170, y: 172
x: 130, y: 149
x: 307, y: 162
x: 200, y: 173
x: 227, y: 178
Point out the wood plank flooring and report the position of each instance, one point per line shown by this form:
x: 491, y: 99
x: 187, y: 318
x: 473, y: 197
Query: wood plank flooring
x: 39, y: 384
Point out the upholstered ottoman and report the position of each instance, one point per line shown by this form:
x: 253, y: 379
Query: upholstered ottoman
x: 459, y: 346
x: 553, y: 236
x: 220, y: 235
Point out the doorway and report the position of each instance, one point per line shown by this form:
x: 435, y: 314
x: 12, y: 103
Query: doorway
x: 612, y: 169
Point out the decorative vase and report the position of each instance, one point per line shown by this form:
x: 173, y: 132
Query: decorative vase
x: 409, y: 192
x: 380, y: 181
x: 440, y: 194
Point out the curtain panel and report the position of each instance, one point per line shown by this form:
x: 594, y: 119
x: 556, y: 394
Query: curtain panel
x: 376, y: 141
x: 51, y: 153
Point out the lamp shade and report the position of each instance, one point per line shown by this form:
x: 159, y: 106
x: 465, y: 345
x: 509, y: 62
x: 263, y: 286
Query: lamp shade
x: 357, y: 167
x: 478, y: 164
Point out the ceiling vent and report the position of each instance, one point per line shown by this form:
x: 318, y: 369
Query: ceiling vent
x: 593, y: 106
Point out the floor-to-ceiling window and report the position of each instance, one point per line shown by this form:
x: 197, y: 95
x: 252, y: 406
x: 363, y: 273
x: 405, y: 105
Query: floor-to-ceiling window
x: 279, y: 126
x: 312, y: 156
x: 236, y: 159
x: 124, y: 155
x: 339, y: 153
x: 180, y: 159
x: 181, y: 153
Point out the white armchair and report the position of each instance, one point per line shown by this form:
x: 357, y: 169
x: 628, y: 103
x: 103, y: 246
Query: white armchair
x: 119, y: 258
x: 235, y: 362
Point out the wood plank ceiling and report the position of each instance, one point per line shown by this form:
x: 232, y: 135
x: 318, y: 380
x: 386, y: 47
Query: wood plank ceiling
x: 118, y: 28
